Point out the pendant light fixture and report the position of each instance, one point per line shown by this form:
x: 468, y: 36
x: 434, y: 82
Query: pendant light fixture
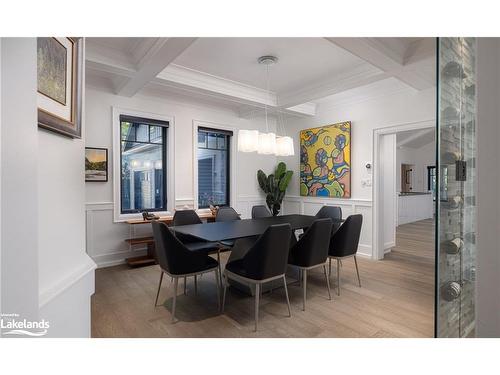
x: 267, y: 140
x: 266, y: 143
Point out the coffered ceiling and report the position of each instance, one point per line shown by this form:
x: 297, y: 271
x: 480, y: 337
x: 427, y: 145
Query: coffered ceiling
x: 225, y: 70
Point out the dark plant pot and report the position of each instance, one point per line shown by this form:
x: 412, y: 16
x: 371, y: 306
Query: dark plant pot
x: 275, y: 209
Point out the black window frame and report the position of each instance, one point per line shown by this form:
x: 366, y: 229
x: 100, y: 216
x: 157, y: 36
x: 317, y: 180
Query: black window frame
x: 229, y: 135
x: 150, y: 122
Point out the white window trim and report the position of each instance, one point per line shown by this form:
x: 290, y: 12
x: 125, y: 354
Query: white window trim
x: 118, y: 216
x: 232, y: 161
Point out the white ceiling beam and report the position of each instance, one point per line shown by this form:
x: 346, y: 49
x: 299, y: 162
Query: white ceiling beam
x: 301, y: 110
x: 182, y: 77
x: 393, y: 62
x: 308, y: 109
x: 107, y: 60
x: 189, y: 79
x: 358, y: 76
x: 372, y: 51
x: 162, y: 52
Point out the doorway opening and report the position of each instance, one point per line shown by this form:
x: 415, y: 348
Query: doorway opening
x: 404, y: 192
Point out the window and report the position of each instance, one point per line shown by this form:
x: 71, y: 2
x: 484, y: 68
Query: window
x: 213, y: 167
x: 143, y: 164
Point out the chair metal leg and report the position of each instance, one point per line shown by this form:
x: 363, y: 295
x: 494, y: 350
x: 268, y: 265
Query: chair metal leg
x: 159, y: 286
x: 327, y: 282
x: 340, y: 260
x: 185, y: 284
x: 330, y: 267
x: 218, y: 288
x: 220, y: 269
x: 304, y: 283
x: 287, y: 299
x: 224, y: 294
x: 257, y: 295
x: 357, y: 270
x: 338, y: 277
x: 176, y: 284
x: 195, y: 285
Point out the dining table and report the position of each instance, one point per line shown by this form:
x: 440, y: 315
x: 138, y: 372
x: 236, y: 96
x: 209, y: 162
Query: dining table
x: 247, y: 228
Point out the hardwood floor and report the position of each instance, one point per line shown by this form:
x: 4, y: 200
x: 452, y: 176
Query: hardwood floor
x: 396, y: 300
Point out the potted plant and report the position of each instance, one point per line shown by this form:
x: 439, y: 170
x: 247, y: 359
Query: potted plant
x: 275, y: 186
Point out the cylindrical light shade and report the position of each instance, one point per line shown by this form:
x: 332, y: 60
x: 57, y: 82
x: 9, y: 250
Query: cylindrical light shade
x: 267, y: 143
x: 284, y: 146
x: 248, y: 140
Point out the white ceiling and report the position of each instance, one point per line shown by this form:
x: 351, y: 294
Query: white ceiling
x: 226, y: 69
x: 300, y: 60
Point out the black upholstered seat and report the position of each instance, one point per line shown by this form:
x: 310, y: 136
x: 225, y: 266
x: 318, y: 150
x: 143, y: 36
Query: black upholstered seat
x: 178, y: 261
x: 260, y: 211
x: 332, y: 212
x: 265, y: 259
x: 311, y: 251
x: 344, y: 244
x: 188, y: 217
x: 227, y: 214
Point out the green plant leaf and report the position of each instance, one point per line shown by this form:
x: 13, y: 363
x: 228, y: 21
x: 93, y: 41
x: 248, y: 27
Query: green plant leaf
x: 280, y: 170
x: 285, y: 181
x: 270, y: 184
x: 262, y: 179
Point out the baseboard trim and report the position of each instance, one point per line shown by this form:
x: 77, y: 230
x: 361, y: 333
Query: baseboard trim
x: 364, y: 250
x: 66, y: 282
x: 116, y: 258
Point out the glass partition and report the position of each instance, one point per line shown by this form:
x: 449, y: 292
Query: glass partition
x: 456, y: 149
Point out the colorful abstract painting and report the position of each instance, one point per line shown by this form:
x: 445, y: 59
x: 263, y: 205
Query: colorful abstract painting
x: 325, y: 161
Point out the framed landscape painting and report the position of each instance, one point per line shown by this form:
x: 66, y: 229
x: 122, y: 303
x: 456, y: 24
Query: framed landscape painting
x: 96, y: 164
x: 325, y: 161
x: 59, y: 85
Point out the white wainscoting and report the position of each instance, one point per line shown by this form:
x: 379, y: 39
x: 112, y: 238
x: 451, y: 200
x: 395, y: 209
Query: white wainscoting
x: 106, y: 240
x: 294, y: 204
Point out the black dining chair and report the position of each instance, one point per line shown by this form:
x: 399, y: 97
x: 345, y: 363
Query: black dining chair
x: 311, y: 251
x: 333, y: 212
x: 344, y: 244
x: 260, y: 211
x: 263, y: 261
x: 176, y: 260
x: 188, y: 217
x: 227, y: 214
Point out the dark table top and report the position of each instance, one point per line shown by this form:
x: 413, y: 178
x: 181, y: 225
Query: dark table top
x: 229, y: 230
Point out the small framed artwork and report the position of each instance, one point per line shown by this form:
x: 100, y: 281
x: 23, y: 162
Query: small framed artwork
x: 96, y: 164
x: 59, y: 85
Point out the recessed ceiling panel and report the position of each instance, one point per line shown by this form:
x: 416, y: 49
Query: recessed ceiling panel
x: 301, y: 60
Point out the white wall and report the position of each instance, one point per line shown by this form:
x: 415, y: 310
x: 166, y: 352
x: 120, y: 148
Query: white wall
x: 488, y: 177
x: 66, y: 273
x: 105, y: 239
x: 420, y: 158
x: 391, y: 110
x: 45, y: 271
x: 388, y: 204
x: 18, y: 177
